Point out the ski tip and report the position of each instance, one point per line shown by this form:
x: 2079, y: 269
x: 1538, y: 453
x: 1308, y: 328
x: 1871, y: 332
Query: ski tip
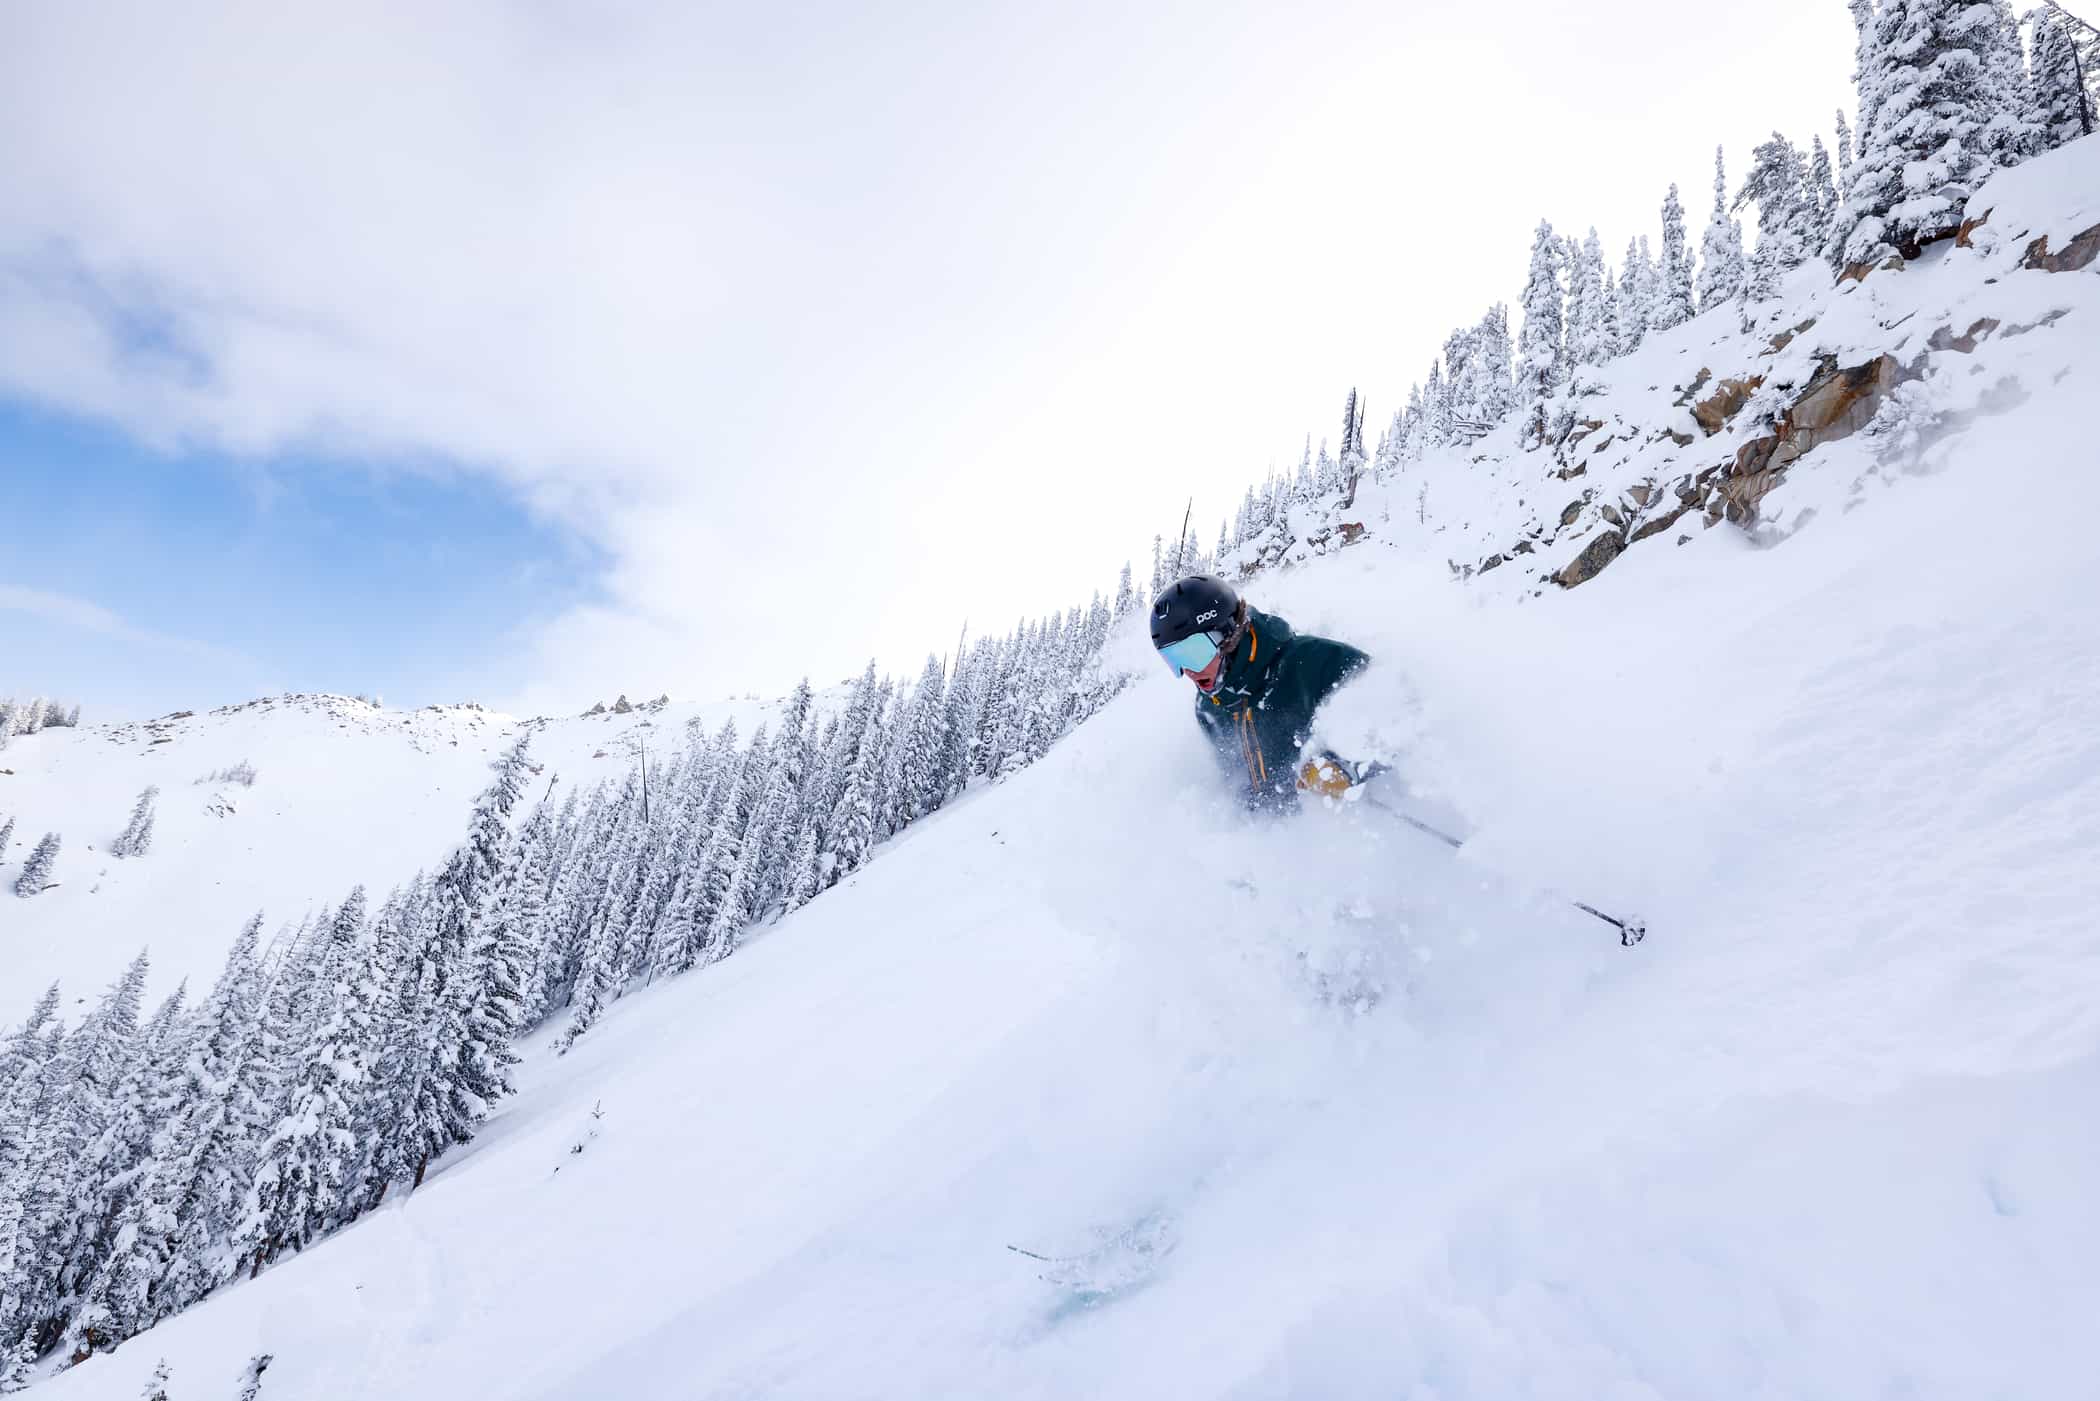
x: 1632, y: 931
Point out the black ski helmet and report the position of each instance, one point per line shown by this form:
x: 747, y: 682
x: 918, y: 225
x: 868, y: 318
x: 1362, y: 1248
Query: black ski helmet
x: 1199, y: 603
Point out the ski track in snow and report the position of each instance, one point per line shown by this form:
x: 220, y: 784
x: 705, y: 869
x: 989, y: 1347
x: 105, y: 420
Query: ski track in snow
x: 1420, y: 1128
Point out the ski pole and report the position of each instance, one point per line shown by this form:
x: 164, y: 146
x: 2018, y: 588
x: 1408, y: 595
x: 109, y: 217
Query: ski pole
x: 1631, y: 931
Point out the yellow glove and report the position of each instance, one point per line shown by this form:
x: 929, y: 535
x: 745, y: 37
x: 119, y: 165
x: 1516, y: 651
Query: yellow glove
x: 1323, y: 776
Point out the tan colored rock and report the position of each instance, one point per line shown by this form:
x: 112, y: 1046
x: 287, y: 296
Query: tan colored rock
x: 1714, y: 411
x: 2076, y: 255
x: 1969, y: 226
x: 1839, y: 402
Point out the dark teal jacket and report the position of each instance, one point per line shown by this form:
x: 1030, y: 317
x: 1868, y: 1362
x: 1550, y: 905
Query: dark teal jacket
x: 1262, y: 712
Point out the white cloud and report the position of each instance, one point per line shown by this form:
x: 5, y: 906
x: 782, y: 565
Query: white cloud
x: 831, y: 324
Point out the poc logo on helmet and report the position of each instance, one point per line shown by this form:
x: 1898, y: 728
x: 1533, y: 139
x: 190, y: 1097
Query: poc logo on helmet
x: 1202, y: 618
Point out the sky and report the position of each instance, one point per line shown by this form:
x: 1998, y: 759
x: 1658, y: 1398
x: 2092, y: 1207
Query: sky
x: 535, y: 353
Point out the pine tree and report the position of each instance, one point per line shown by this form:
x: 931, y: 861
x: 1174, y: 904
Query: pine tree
x: 26, y: 1096
x: 1634, y: 297
x: 137, y: 835
x: 1786, y: 216
x: 7, y: 834
x: 35, y: 875
x: 18, y: 1364
x: 1924, y: 110
x: 2063, y: 109
x: 114, y: 1301
x: 1540, y: 365
x: 805, y: 876
x: 1844, y: 151
x: 1721, y: 251
x: 305, y: 1169
x: 83, y: 1149
x: 2011, y: 132
x: 203, y: 1162
x: 1823, y: 197
x: 157, y: 1384
x: 1673, y: 299
x: 1592, y: 327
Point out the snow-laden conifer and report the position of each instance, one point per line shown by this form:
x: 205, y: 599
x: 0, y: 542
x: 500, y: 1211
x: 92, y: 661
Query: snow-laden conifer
x: 1925, y: 110
x: 1673, y: 292
x: 2063, y: 108
x: 205, y: 1156
x: 1786, y: 216
x: 1592, y: 330
x: 137, y: 836
x: 1540, y: 354
x: 1635, y: 277
x: 1721, y: 250
x: 35, y: 874
x: 303, y: 1183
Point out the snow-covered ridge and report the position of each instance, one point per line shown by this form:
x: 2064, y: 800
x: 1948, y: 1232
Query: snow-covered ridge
x: 1830, y: 389
x: 345, y: 792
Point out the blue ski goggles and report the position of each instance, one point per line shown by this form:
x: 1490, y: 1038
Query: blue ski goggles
x: 1194, y: 652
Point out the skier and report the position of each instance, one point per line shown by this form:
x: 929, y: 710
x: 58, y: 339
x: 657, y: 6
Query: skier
x: 1258, y: 684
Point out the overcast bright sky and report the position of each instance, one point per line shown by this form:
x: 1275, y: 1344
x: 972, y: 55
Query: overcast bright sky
x: 536, y: 352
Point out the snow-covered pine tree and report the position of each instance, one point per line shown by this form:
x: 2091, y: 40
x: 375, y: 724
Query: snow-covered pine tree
x: 1611, y: 332
x: 2011, y: 133
x: 7, y: 834
x: 157, y: 1384
x: 804, y: 875
x: 1823, y: 196
x: 304, y: 1184
x: 17, y: 1364
x: 1721, y: 251
x: 115, y: 1299
x: 485, y: 984
x: 1592, y: 333
x: 1924, y: 113
x: 602, y: 973
x: 203, y: 1160
x: 82, y: 1151
x: 1786, y: 216
x: 26, y: 1058
x: 137, y: 835
x: 2063, y: 107
x: 853, y: 825
x: 35, y: 874
x: 1541, y: 368
x: 1844, y: 152
x: 1635, y: 275
x: 1673, y: 295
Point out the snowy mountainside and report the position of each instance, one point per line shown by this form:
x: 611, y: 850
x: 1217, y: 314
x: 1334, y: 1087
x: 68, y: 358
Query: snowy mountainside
x: 344, y: 792
x: 1388, y: 1122
x: 1829, y: 390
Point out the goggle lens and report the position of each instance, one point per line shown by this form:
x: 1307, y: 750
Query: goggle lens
x: 1191, y: 653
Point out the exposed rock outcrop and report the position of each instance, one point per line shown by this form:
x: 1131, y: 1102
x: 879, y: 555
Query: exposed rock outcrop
x: 1714, y: 411
x: 2076, y: 255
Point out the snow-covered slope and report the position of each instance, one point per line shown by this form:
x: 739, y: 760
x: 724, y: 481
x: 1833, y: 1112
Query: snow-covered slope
x: 1327, y: 1111
x: 1822, y: 396
x: 344, y: 792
